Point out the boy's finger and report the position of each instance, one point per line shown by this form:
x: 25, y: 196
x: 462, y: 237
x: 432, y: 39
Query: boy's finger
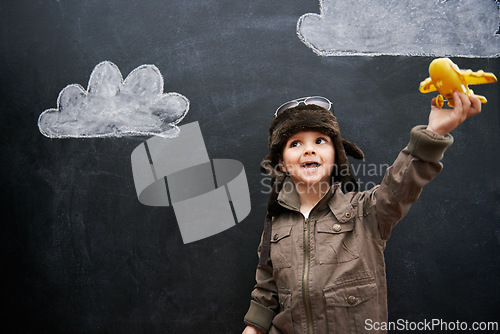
x: 458, y: 103
x: 466, y: 103
x: 475, y: 106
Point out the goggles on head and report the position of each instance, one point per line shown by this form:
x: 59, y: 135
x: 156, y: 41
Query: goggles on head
x: 317, y: 100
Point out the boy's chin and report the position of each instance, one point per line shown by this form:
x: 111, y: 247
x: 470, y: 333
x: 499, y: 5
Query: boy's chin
x: 313, y: 183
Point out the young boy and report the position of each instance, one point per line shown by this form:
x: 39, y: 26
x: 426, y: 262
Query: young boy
x: 321, y: 264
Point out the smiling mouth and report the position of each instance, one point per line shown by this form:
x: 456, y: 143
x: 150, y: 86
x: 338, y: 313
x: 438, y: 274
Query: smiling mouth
x: 311, y: 165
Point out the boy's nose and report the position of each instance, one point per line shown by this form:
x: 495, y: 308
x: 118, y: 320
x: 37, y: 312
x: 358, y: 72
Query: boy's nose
x: 309, y: 150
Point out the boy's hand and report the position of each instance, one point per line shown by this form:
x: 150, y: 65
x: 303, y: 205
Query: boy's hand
x: 442, y: 121
x: 251, y: 330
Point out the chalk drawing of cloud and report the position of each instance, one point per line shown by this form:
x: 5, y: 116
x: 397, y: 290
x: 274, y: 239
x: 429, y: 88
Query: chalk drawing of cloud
x: 465, y: 28
x: 113, y: 107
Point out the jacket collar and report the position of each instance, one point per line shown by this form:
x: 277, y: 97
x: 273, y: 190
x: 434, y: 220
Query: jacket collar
x: 341, y: 206
x: 288, y: 196
x: 334, y: 200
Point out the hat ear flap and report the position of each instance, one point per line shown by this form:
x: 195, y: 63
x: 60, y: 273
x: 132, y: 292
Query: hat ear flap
x: 344, y: 172
x: 348, y: 181
x: 270, y: 167
x: 352, y: 150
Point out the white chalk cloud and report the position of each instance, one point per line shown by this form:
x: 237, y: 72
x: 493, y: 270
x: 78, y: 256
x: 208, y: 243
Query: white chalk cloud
x: 465, y: 28
x: 113, y: 107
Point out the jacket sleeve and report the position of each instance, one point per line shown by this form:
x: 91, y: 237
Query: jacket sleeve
x: 416, y: 165
x: 264, y: 303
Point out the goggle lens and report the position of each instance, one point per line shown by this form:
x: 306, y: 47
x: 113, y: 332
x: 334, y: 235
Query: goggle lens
x: 317, y: 100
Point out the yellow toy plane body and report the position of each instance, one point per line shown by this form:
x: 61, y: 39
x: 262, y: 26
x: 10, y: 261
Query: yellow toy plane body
x: 446, y: 77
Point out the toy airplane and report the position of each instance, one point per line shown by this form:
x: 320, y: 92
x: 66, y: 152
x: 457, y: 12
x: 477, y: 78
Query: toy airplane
x: 446, y: 77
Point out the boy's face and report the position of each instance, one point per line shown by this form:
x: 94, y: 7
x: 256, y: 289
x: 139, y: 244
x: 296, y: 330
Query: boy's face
x: 308, y: 157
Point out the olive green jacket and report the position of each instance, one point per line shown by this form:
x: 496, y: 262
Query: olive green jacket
x: 326, y: 274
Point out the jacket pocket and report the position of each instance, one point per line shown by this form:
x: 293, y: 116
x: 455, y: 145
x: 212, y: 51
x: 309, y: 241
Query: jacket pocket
x: 335, y: 241
x: 350, y: 303
x: 281, y: 246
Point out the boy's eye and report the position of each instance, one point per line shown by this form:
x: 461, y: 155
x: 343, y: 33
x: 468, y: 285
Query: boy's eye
x: 320, y: 141
x: 295, y: 143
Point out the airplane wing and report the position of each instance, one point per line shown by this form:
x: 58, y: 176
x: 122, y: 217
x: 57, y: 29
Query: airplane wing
x: 479, y: 77
x: 427, y: 86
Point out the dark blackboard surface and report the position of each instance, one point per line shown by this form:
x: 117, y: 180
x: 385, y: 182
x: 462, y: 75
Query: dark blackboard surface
x: 80, y: 254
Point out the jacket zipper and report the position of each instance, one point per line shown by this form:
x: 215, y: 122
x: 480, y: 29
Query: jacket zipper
x: 305, y: 277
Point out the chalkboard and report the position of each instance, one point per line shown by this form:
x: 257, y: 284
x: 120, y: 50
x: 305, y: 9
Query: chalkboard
x: 81, y: 253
